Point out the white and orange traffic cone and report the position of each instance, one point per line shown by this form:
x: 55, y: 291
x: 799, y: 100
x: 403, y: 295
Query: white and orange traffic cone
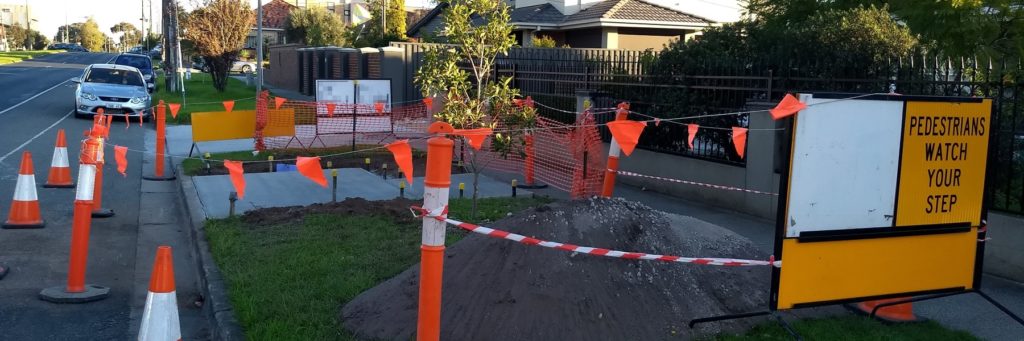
x: 160, y: 318
x: 24, y: 212
x: 903, y: 312
x: 60, y: 168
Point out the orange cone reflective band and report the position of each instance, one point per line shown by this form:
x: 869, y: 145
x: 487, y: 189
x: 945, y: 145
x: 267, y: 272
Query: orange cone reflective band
x: 379, y: 106
x: 787, y: 107
x: 120, y: 155
x: 739, y: 139
x: 692, y: 133
x: 626, y: 133
x: 174, y: 109
x: 24, y: 211
x: 60, y: 167
x: 237, y: 176
x: 228, y: 105
x: 278, y: 101
x: 330, y: 109
x: 403, y: 157
x: 310, y: 168
x: 160, y: 318
x: 476, y: 136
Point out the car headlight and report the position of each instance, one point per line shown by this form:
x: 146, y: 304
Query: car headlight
x: 137, y: 100
x: 89, y: 96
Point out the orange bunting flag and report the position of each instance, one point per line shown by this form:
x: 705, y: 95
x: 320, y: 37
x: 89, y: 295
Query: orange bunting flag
x: 109, y: 121
x: 174, y: 109
x: 237, y: 176
x: 379, y: 106
x: 692, y: 132
x: 476, y: 136
x: 310, y: 168
x: 428, y: 102
x: 330, y: 109
x: 739, y: 139
x: 528, y: 102
x: 518, y: 102
x: 657, y: 122
x: 626, y: 133
x: 120, y: 155
x: 787, y: 107
x: 140, y: 120
x: 228, y: 105
x: 403, y: 157
x: 278, y: 101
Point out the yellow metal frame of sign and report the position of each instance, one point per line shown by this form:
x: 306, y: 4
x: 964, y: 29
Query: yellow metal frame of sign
x: 933, y: 245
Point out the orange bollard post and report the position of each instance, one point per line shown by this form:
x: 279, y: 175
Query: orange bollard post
x: 161, y: 141
x: 97, y: 203
x: 529, y: 164
x: 893, y: 313
x: 613, y: 156
x: 435, y: 200
x: 76, y: 291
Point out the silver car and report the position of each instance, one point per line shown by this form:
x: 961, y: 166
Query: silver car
x: 117, y: 89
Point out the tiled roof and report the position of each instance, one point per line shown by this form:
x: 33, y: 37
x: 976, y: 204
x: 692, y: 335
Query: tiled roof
x: 633, y: 10
x: 541, y: 14
x: 275, y: 14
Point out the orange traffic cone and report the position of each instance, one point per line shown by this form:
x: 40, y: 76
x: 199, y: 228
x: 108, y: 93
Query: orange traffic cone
x: 25, y: 207
x: 894, y: 313
x: 60, y: 169
x: 160, y: 318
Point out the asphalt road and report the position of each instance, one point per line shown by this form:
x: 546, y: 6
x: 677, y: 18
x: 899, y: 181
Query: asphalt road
x: 36, y: 99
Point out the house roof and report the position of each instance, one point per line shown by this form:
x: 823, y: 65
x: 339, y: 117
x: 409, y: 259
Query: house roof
x: 275, y: 13
x: 608, y: 10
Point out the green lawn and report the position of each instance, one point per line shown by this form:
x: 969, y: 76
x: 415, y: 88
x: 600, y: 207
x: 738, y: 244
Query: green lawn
x: 288, y: 281
x: 852, y: 328
x: 17, y: 56
x: 200, y: 96
x: 195, y: 166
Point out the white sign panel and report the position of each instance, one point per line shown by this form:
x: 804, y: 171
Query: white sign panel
x: 844, y: 166
x: 372, y: 91
x: 341, y: 91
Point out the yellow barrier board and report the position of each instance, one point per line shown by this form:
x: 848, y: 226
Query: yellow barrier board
x: 240, y: 124
x: 883, y: 198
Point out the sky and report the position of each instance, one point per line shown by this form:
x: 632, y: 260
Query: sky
x: 107, y: 13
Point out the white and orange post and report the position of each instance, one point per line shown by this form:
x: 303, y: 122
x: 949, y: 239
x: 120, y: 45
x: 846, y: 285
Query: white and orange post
x: 60, y: 167
x: 435, y: 201
x: 160, y: 317
x: 24, y: 213
x: 76, y: 290
x: 161, y: 141
x: 612, y: 168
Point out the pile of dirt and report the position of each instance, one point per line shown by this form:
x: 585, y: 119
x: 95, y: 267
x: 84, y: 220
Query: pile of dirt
x: 499, y: 290
x: 397, y: 208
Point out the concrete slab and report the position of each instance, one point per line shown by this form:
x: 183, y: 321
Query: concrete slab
x: 179, y: 141
x: 489, y: 187
x: 287, y: 189
x: 158, y: 209
x: 159, y: 187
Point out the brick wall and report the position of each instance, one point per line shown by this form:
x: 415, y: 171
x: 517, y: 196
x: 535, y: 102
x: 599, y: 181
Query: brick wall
x: 284, y: 67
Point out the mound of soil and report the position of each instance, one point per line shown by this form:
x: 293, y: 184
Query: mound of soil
x: 499, y: 290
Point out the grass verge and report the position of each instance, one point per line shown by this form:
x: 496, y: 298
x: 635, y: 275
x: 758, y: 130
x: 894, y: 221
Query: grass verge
x: 852, y: 328
x: 200, y: 96
x: 17, y: 56
x: 288, y: 281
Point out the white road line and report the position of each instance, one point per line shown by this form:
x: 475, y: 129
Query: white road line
x: 33, y: 97
x: 4, y: 157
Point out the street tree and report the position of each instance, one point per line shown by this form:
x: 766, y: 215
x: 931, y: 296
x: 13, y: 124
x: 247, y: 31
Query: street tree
x: 217, y: 31
x: 316, y: 26
x: 129, y: 34
x: 92, y: 38
x: 386, y: 26
x: 74, y: 32
x: 476, y: 98
x: 16, y: 35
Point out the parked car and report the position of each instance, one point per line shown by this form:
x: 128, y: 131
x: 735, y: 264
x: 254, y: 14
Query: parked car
x: 137, y: 49
x: 238, y: 66
x: 157, y: 51
x: 141, y: 62
x: 118, y: 89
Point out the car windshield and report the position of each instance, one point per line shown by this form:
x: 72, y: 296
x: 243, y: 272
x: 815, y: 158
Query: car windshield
x: 138, y: 62
x: 113, y: 76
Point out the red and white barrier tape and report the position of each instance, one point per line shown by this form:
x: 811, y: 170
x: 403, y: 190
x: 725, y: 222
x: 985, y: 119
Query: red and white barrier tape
x: 695, y: 183
x: 487, y: 231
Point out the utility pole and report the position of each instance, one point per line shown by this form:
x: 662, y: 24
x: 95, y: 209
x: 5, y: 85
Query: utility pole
x: 383, y: 19
x: 259, y: 47
x: 142, y: 24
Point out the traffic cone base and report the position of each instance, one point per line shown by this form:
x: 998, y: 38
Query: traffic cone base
x: 24, y: 211
x: 60, y: 169
x: 53, y: 181
x: 59, y: 294
x: 899, y: 313
x: 102, y: 213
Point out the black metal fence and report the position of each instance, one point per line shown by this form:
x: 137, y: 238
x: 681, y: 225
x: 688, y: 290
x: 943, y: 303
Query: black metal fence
x: 553, y: 76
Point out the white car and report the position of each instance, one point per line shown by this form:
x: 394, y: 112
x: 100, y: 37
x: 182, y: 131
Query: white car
x: 117, y: 89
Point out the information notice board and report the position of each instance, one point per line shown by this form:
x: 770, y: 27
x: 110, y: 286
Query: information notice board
x: 884, y: 197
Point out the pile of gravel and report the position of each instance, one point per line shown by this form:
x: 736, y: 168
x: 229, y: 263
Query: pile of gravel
x: 500, y: 290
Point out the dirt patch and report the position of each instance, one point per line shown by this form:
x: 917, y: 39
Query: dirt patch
x: 397, y: 209
x: 377, y: 160
x: 499, y: 290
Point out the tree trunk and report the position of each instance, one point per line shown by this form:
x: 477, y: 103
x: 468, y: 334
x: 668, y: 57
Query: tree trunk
x: 219, y: 67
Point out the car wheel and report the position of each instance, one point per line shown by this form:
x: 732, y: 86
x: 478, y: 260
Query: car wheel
x: 246, y: 69
x: 206, y: 69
